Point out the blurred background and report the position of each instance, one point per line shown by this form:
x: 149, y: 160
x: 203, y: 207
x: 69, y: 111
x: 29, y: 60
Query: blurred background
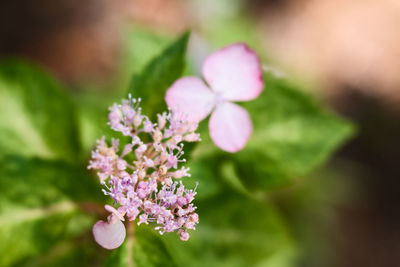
x: 345, y: 52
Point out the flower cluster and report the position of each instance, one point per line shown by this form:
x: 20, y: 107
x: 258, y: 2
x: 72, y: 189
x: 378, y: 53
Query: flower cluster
x: 139, y: 176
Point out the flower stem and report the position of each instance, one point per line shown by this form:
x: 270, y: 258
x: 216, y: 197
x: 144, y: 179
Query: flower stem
x: 129, y: 244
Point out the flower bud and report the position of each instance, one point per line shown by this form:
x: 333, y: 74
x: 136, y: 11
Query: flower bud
x: 157, y: 136
x: 184, y: 236
x: 162, y: 170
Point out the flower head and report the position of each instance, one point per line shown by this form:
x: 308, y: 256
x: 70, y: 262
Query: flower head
x: 140, y: 176
x: 233, y: 73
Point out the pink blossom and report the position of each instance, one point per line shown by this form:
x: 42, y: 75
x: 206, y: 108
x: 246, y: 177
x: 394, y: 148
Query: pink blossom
x: 233, y: 73
x: 110, y: 234
x: 144, y: 188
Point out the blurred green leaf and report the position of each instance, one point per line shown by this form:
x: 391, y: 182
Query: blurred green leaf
x: 151, y: 84
x: 40, y: 206
x: 93, y: 118
x: 148, y: 250
x: 140, y: 47
x: 235, y: 231
x: 292, y: 136
x: 207, y: 172
x: 36, y: 116
x: 79, y: 252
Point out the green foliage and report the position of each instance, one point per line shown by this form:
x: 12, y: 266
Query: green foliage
x: 36, y: 116
x: 80, y: 252
x: 43, y: 185
x: 296, y: 131
x: 140, y: 47
x: 292, y: 136
x: 39, y: 206
x: 152, y: 83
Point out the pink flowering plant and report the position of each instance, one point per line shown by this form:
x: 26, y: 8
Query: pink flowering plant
x: 151, y: 190
x: 143, y: 188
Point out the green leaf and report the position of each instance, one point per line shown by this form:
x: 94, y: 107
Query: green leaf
x: 151, y: 84
x: 41, y: 205
x: 93, y: 118
x: 235, y: 231
x: 36, y: 116
x: 296, y: 131
x: 292, y: 136
x: 140, y: 47
x: 147, y: 250
x: 207, y: 172
x: 79, y: 252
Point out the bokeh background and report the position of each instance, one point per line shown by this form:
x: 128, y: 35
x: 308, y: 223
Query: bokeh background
x: 345, y: 52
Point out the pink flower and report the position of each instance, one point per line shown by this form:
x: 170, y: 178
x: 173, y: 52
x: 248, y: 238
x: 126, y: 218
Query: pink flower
x: 143, y: 188
x: 110, y: 234
x: 233, y: 73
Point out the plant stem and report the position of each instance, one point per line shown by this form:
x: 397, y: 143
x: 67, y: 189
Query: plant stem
x: 130, y: 244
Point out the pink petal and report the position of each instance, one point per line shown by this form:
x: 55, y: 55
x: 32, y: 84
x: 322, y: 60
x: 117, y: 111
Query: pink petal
x: 230, y: 127
x: 114, y: 211
x: 234, y: 72
x: 109, y: 235
x: 190, y: 98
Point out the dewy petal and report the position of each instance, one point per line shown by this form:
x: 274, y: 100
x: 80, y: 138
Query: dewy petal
x: 190, y: 98
x: 234, y: 72
x: 230, y: 127
x: 109, y: 235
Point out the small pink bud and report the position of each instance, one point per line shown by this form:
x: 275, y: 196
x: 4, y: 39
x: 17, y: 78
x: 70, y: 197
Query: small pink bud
x: 141, y: 193
x: 147, y: 126
x: 184, y: 236
x: 193, y: 137
x: 143, y: 219
x: 162, y: 170
x: 128, y: 111
x: 142, y: 185
x: 141, y: 174
x: 181, y: 212
x: 157, y: 136
x: 194, y: 217
x: 190, y: 225
x: 121, y: 164
x: 161, y: 120
x: 137, y: 120
x: 182, y: 201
